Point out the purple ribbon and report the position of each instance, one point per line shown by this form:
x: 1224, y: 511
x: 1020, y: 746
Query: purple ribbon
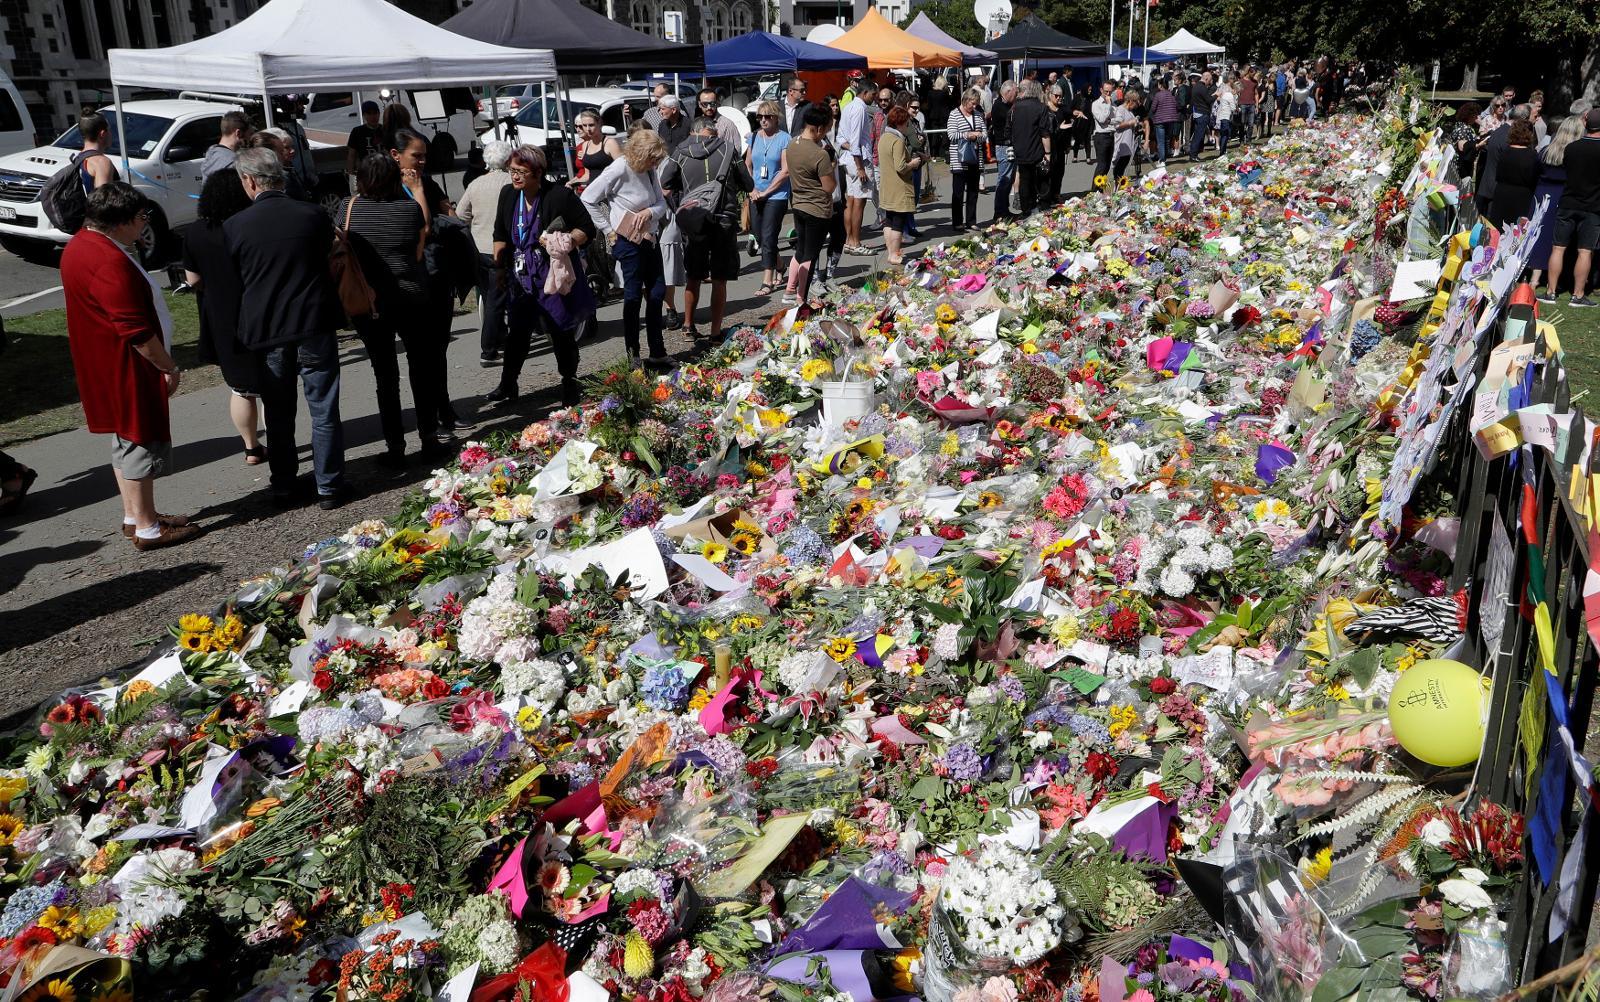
x: 1271, y: 459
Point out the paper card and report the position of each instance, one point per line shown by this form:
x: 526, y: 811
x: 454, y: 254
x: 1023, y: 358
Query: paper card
x: 706, y: 572
x: 1022, y: 831
x: 637, y: 555
x: 582, y: 988
x: 1414, y: 279
x: 985, y: 328
x: 290, y: 698
x: 1094, y: 655
x: 1213, y: 669
x: 1107, y: 821
x: 774, y: 839
x: 459, y: 988
x: 892, y: 729
x: 1081, y: 679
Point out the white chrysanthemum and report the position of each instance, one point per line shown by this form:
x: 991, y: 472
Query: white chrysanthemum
x: 1176, y: 581
x: 498, y: 944
x: 1219, y: 557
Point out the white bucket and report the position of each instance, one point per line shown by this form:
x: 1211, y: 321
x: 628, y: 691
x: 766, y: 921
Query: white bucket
x: 842, y: 402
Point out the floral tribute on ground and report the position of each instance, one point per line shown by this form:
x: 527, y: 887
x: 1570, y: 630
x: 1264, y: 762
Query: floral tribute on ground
x: 994, y: 631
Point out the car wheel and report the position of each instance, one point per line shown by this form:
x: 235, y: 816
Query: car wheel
x: 155, y: 241
x: 32, y: 251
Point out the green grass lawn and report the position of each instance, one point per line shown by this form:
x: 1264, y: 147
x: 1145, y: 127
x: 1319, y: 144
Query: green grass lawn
x: 38, y: 392
x: 1579, y: 331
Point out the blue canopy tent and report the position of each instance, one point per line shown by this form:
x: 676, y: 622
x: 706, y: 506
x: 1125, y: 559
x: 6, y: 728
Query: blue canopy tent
x: 758, y: 52
x: 1139, y: 54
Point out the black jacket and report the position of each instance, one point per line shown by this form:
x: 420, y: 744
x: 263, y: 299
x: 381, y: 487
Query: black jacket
x: 279, y: 247
x: 1000, y: 123
x: 797, y: 118
x: 556, y: 202
x: 1030, y: 124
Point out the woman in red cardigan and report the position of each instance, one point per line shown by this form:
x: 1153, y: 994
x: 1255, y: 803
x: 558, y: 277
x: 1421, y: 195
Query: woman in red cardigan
x: 119, y: 330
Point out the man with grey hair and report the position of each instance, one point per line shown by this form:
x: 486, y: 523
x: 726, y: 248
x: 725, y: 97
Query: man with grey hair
x: 477, y: 209
x: 1499, y: 141
x: 278, y: 141
x: 1000, y: 136
x: 289, y: 312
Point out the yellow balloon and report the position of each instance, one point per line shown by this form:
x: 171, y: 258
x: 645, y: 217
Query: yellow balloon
x: 1436, y: 710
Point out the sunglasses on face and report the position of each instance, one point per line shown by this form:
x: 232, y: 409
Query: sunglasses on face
x: 708, y: 104
x: 520, y: 172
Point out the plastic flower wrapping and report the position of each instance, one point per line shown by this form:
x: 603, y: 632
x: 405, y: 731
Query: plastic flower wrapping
x: 991, y: 631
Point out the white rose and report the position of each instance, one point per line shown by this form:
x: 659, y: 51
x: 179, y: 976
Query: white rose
x: 1465, y: 894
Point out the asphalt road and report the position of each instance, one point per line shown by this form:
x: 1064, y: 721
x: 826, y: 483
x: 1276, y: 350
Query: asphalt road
x: 22, y: 281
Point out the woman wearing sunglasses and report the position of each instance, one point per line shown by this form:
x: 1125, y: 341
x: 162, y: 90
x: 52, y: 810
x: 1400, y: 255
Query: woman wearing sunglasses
x: 768, y: 162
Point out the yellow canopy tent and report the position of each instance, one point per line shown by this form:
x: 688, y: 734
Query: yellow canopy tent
x: 888, y: 48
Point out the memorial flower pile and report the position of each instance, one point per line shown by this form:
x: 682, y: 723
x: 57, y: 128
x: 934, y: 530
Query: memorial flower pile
x: 978, y: 633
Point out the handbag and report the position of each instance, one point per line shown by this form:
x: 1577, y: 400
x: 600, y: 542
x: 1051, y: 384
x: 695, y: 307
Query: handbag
x: 355, y: 292
x: 967, y: 149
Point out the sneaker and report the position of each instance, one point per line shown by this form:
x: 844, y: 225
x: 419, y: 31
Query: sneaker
x: 489, y: 361
x: 1581, y: 302
x: 499, y: 394
x: 790, y: 299
x: 328, y: 502
x: 171, y: 535
x: 1546, y: 297
x: 672, y: 320
x: 660, y: 362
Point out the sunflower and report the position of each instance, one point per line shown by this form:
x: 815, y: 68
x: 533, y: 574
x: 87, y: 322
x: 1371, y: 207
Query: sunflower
x: 744, y: 542
x: 120, y: 993
x: 10, y: 824
x: 714, y: 552
x: 840, y: 649
x: 12, y: 787
x: 195, y: 623
x: 56, y: 989
x: 990, y: 499
x: 66, y: 923
x: 945, y: 314
x: 196, y: 642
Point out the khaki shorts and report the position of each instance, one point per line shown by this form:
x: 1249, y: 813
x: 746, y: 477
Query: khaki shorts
x: 140, y: 462
x: 857, y: 180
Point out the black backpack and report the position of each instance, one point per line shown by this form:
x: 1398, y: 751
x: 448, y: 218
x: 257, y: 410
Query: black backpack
x: 65, y: 201
x: 705, y: 202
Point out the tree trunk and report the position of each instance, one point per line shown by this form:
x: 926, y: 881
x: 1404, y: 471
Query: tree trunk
x: 1469, y: 77
x: 1577, y: 73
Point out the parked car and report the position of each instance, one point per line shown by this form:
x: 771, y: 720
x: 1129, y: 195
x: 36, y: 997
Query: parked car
x: 538, y: 123
x: 688, y: 90
x: 507, y: 101
x: 167, y: 140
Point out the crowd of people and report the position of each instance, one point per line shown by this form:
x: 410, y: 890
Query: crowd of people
x: 662, y: 210
x: 1510, y: 160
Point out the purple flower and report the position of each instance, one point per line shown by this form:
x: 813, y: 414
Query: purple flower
x: 1013, y: 688
x: 963, y: 762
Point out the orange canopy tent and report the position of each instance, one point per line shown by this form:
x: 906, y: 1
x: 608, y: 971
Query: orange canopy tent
x: 887, y: 47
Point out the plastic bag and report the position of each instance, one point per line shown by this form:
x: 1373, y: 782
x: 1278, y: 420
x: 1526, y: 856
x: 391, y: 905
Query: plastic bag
x: 1278, y: 926
x: 1478, y: 965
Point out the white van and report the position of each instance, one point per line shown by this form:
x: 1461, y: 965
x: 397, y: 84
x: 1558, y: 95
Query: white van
x: 16, y: 124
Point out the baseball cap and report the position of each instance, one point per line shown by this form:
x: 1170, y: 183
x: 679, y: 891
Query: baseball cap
x: 1591, y: 120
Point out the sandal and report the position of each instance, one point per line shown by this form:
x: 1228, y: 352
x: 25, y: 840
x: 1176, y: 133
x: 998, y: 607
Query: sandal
x: 764, y: 289
x: 256, y: 456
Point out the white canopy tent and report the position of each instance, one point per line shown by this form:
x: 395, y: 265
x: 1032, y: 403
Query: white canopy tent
x: 1185, y: 44
x: 302, y: 46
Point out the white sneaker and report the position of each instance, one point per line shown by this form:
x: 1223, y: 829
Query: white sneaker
x: 790, y: 299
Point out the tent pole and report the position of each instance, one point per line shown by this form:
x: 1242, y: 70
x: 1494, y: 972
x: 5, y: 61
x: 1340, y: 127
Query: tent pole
x: 561, y: 116
x: 116, y: 98
x: 1111, y: 36
x: 1144, y: 52
x: 1130, y: 25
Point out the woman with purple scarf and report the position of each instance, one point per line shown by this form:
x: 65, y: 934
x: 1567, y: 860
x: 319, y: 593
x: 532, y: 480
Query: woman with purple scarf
x: 539, y: 234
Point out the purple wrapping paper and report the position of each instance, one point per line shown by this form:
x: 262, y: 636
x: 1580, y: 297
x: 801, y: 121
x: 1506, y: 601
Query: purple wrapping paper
x: 1146, y: 835
x: 1272, y: 459
x: 925, y: 546
x: 844, y: 970
x: 1175, y: 358
x: 845, y: 921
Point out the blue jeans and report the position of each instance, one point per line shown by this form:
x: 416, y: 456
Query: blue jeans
x: 1197, y: 142
x: 916, y: 196
x: 1224, y: 133
x: 1163, y: 138
x: 769, y: 213
x: 316, y: 361
x: 641, y: 279
x: 1005, y: 170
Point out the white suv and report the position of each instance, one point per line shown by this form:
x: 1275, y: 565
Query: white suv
x: 167, y: 140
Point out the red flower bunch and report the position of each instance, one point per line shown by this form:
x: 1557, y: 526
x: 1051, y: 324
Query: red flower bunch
x: 1246, y: 316
x: 1489, y: 838
x: 1100, y: 766
x: 1163, y: 686
x: 74, y: 709
x: 1122, y: 626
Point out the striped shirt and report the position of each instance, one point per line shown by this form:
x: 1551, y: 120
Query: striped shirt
x: 392, y: 228
x: 956, y: 129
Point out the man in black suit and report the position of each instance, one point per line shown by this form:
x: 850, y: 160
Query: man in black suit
x: 288, y: 312
x: 794, y: 106
x: 1494, y: 147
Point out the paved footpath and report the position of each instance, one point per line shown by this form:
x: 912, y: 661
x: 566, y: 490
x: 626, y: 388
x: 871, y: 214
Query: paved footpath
x: 77, y: 601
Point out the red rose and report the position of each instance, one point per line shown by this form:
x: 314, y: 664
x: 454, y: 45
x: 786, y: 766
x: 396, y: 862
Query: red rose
x: 1163, y: 686
x: 322, y: 678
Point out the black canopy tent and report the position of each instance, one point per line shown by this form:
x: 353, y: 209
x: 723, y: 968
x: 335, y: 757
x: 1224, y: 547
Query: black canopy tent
x: 582, y: 40
x: 1029, y: 37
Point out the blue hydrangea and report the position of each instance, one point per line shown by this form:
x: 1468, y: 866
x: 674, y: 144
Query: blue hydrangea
x: 25, y: 905
x: 1089, y: 729
x: 963, y: 762
x: 804, y: 547
x: 665, y: 686
x: 1013, y: 688
x: 1363, y: 338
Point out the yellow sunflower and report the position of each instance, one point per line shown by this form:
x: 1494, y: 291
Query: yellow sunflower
x: 10, y: 824
x: 12, y: 787
x: 744, y: 543
x: 714, y: 552
x: 66, y: 923
x: 196, y: 642
x: 195, y: 623
x: 840, y: 649
x: 57, y: 989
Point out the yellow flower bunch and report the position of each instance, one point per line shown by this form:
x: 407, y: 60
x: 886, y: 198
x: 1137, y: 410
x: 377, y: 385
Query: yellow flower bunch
x: 848, y: 833
x: 194, y: 623
x: 946, y: 314
x: 95, y: 920
x: 1318, y: 865
x: 815, y: 368
x: 756, y: 470
x: 1288, y: 336
x: 10, y: 824
x: 1123, y: 716
x: 745, y: 623
x: 1065, y: 630
x: 1337, y: 692
x: 840, y: 649
x: 64, y: 921
x: 714, y: 552
x: 744, y: 542
x: 1118, y: 267
x: 1269, y: 508
x: 990, y: 499
x: 700, y: 698
x: 11, y: 787
x: 1055, y: 549
x: 529, y: 718
x: 950, y: 445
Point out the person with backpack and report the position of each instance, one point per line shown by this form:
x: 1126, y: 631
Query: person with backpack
x: 289, y: 312
x: 701, y: 180
x: 65, y: 195
x: 541, y: 235
x: 119, y: 332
